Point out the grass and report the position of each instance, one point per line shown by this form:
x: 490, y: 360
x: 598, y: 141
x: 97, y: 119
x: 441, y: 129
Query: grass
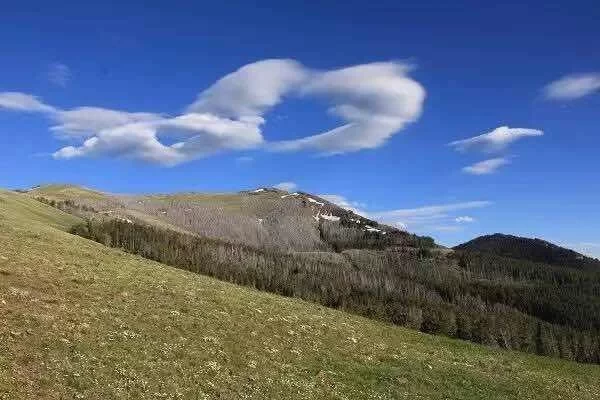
x: 66, y: 192
x: 79, y: 320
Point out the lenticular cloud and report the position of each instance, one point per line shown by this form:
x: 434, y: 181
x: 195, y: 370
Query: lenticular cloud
x: 372, y: 101
x: 496, y: 140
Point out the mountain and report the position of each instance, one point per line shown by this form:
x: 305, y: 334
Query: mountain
x: 261, y: 218
x: 537, y: 250
x: 82, y: 320
x: 299, y: 245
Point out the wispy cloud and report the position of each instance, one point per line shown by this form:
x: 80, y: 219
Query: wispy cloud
x: 424, y: 220
x: 23, y: 102
x: 487, y: 166
x: 252, y: 89
x: 87, y: 121
x: 59, y: 74
x: 435, y: 210
x: 343, y: 202
x: 137, y: 141
x: 374, y: 100
x: 591, y: 249
x: 440, y: 218
x: 571, y: 87
x: 495, y: 140
x: 287, y: 186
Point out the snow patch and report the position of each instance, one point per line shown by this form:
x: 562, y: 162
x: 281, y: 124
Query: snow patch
x: 330, y: 217
x: 371, y: 229
x: 258, y: 190
x: 315, y: 201
x: 290, y: 194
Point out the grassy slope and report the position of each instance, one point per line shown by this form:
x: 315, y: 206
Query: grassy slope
x: 66, y: 192
x: 79, y: 320
x: 232, y: 217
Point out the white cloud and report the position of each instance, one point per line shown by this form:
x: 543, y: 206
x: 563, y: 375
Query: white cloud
x: 486, y: 167
x: 375, y: 101
x: 590, y: 249
x: 425, y: 220
x: 85, y: 121
x: 207, y: 133
x: 343, y: 202
x: 496, y: 140
x: 137, y: 135
x: 243, y: 129
x: 430, y: 218
x: 202, y: 135
x: 17, y: 101
x: 436, y: 210
x: 287, y: 186
x: 59, y: 74
x: 136, y: 141
x: 252, y: 89
x: 572, y: 87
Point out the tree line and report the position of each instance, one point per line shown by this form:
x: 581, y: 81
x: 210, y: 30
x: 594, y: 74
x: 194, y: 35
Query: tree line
x: 66, y: 205
x: 347, y: 234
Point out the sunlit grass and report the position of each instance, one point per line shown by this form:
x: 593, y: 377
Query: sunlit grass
x: 79, y: 320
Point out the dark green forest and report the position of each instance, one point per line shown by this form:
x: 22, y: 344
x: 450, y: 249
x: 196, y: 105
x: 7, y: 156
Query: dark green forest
x: 480, y: 297
x: 530, y: 249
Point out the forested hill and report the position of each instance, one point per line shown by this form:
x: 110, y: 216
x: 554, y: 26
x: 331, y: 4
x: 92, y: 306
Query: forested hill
x: 530, y: 249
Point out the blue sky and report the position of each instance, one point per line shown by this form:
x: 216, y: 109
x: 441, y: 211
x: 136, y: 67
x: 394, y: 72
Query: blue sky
x: 400, y: 81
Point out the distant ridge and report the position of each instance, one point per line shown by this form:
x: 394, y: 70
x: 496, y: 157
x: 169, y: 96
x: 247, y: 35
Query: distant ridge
x: 537, y: 250
x: 264, y: 217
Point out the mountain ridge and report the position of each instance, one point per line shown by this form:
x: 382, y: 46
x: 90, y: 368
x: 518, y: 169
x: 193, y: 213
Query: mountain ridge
x: 532, y: 249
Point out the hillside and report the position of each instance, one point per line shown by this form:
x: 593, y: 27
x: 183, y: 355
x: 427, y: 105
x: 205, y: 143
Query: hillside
x: 262, y: 218
x: 349, y: 263
x: 530, y: 249
x: 80, y: 320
